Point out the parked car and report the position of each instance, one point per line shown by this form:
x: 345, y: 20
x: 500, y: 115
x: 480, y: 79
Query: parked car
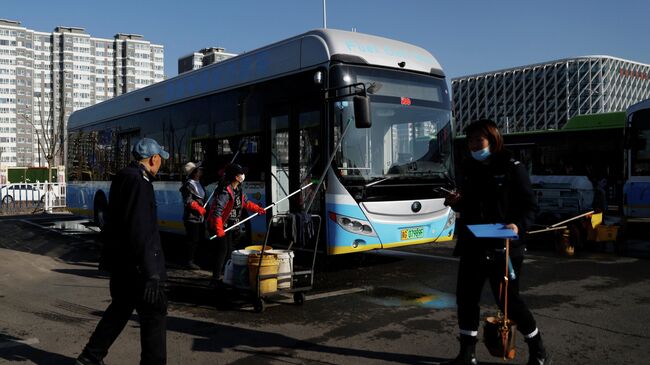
x: 21, y: 192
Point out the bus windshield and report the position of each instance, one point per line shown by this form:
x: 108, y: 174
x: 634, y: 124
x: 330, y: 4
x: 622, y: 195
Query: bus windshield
x: 640, y: 146
x: 410, y: 141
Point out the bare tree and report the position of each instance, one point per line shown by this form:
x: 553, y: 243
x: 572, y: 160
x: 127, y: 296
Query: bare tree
x: 49, y: 134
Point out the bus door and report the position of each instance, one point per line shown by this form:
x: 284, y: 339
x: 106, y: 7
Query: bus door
x: 295, y: 158
x: 278, y: 183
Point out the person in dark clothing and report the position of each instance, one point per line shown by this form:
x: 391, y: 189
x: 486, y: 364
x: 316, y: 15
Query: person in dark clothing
x: 495, y: 188
x: 133, y: 256
x: 225, y: 211
x: 193, y: 195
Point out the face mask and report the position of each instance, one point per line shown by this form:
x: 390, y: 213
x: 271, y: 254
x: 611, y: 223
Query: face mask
x: 241, y: 178
x: 481, y: 155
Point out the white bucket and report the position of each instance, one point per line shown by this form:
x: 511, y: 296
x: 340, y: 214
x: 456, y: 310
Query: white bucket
x: 228, y: 273
x: 239, y: 275
x: 285, y: 267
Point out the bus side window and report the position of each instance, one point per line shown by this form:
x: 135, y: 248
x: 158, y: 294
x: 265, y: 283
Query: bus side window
x: 125, y: 142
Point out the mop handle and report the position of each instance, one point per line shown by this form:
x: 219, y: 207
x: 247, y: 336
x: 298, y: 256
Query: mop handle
x: 547, y: 229
x: 270, y: 206
x: 504, y: 333
x: 505, y: 305
x: 570, y: 219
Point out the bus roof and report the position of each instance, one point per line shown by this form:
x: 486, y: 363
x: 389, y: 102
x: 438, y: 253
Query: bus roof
x: 595, y: 121
x: 581, y: 123
x: 645, y: 104
x: 313, y: 48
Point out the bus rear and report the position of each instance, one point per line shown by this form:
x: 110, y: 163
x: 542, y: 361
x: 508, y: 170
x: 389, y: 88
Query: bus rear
x: 636, y: 206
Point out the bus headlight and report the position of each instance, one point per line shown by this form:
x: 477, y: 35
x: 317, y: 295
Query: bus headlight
x: 451, y: 219
x: 353, y: 225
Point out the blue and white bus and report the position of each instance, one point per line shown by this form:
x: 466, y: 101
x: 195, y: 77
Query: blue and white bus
x: 282, y: 111
x: 636, y: 192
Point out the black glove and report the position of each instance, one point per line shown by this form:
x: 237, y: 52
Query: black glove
x: 152, y: 291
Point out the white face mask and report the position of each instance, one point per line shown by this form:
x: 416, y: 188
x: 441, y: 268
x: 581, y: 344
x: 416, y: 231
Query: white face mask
x: 481, y: 155
x: 241, y: 178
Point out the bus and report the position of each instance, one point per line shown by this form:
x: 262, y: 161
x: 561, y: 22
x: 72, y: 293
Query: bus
x: 636, y: 192
x: 573, y: 170
x: 588, y: 146
x: 287, y: 112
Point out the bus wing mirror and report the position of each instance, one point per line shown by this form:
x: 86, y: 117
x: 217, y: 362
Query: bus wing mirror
x: 361, y: 111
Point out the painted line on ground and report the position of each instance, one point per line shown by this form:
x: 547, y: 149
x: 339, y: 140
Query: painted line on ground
x: 395, y: 253
x: 289, y: 300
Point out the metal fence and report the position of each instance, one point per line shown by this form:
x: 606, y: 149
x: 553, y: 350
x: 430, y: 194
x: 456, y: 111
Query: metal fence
x: 32, y: 197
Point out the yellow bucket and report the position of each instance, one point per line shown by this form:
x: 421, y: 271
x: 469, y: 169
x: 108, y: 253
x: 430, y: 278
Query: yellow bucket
x: 269, y: 267
x: 259, y: 248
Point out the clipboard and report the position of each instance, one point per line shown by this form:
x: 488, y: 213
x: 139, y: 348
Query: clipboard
x: 496, y: 230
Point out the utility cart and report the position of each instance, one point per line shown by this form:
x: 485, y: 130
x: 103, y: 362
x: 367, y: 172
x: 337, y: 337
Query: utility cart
x: 271, y: 278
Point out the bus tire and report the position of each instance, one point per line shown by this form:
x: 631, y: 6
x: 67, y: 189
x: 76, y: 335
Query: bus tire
x: 100, y: 210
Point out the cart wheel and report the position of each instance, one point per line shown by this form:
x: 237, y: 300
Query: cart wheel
x: 299, y: 298
x: 259, y: 305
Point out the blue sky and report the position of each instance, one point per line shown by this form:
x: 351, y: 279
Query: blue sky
x: 465, y: 36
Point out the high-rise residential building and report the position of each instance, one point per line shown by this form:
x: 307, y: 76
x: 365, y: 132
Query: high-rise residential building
x: 546, y: 95
x: 44, y: 77
x: 203, y: 57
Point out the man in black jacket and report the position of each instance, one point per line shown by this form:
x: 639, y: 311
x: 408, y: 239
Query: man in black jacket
x: 133, y: 255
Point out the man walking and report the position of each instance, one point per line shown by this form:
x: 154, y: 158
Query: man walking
x: 133, y: 255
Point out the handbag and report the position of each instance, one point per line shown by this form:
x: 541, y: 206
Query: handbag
x: 499, y: 331
x: 499, y: 336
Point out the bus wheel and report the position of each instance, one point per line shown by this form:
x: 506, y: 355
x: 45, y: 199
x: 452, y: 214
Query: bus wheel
x: 100, y: 210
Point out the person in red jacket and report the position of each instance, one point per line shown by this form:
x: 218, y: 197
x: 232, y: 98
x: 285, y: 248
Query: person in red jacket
x: 225, y: 211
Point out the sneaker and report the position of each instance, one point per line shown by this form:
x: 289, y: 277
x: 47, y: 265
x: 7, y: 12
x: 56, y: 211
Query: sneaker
x: 84, y: 359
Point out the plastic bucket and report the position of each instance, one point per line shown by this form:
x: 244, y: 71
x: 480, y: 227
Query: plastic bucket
x: 239, y: 275
x: 227, y: 273
x: 285, y: 267
x: 269, y: 266
x: 258, y: 248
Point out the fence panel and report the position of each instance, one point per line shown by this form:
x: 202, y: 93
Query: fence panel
x: 21, y: 198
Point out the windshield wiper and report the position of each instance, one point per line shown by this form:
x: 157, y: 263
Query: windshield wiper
x: 378, y: 181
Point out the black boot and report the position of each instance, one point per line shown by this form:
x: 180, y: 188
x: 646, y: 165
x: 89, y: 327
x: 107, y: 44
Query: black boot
x: 467, y: 355
x: 536, y: 352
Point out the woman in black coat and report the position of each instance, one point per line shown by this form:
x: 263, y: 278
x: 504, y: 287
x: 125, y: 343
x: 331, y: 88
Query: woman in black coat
x: 495, y: 188
x: 193, y: 195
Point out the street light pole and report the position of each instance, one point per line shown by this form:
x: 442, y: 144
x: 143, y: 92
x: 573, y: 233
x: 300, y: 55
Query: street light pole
x: 324, y: 14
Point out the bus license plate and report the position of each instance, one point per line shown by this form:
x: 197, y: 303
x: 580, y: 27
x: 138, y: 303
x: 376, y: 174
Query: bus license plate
x: 412, y: 233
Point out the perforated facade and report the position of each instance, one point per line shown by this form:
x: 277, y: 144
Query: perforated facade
x: 546, y: 95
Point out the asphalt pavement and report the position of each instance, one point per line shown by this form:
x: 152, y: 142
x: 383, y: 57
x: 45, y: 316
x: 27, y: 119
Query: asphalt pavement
x: 383, y: 307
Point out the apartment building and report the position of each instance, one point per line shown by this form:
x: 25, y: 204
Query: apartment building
x: 203, y: 57
x: 45, y: 76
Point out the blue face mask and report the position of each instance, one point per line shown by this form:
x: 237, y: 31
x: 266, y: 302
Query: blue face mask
x: 481, y: 155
